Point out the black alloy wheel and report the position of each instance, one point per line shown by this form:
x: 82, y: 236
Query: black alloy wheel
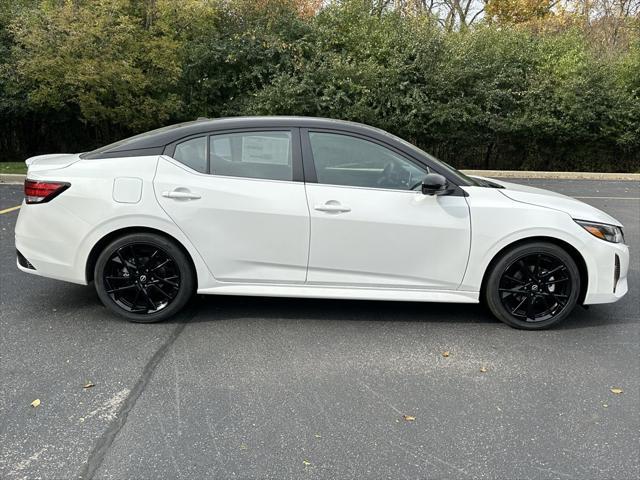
x: 533, y: 286
x: 143, y: 277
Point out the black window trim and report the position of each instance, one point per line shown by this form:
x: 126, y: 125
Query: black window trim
x: 310, y: 169
x: 296, y: 149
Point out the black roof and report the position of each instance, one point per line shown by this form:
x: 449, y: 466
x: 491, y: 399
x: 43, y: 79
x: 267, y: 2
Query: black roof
x: 154, y: 141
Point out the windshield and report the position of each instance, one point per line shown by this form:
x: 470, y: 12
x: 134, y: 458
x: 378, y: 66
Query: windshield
x: 470, y: 180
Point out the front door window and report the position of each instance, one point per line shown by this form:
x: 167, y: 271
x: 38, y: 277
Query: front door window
x: 346, y: 160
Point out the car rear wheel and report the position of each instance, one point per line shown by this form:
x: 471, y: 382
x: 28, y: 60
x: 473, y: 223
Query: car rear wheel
x: 144, y: 277
x: 533, y: 286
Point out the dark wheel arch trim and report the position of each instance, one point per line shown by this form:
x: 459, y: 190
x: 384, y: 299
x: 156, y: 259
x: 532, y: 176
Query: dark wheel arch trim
x: 570, y: 249
x: 104, y: 241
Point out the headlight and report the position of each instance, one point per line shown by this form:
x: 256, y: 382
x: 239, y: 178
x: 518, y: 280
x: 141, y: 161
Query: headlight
x: 610, y: 233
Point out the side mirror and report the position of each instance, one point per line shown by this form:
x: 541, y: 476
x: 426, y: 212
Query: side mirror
x: 434, y: 184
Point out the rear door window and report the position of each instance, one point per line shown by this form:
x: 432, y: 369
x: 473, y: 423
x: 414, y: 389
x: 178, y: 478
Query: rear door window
x: 193, y: 154
x: 266, y: 155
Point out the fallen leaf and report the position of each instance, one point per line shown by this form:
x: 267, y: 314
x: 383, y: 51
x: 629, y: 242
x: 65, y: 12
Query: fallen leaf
x: 89, y: 385
x: 35, y: 403
x: 445, y: 354
x: 408, y: 418
x: 616, y: 390
x: 306, y: 463
x: 483, y: 369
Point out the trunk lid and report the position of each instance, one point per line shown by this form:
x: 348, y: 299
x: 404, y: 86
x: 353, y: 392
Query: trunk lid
x: 51, y: 162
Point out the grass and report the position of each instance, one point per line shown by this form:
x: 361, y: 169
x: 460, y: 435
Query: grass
x: 13, y: 167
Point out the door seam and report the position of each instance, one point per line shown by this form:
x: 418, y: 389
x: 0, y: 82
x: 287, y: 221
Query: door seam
x: 196, y: 249
x: 306, y: 195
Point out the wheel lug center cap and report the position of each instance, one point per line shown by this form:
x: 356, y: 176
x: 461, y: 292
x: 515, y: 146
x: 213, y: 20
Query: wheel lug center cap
x: 143, y: 278
x: 534, y: 288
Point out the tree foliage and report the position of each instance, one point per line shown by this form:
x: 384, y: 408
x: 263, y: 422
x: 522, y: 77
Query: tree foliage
x: 518, y: 11
x: 526, y: 86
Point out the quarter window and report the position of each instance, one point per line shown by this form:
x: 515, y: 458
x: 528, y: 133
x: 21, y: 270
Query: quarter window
x: 193, y: 154
x: 346, y: 160
x: 264, y: 155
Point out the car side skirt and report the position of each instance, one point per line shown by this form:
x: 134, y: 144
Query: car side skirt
x: 346, y: 293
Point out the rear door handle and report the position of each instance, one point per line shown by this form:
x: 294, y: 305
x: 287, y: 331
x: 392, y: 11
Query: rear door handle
x: 181, y: 194
x: 331, y: 207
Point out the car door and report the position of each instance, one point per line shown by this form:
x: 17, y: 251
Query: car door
x: 369, y: 228
x: 239, y: 198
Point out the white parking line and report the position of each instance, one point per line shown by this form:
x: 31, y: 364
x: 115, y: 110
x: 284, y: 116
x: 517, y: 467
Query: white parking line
x: 609, y: 198
x: 7, y: 210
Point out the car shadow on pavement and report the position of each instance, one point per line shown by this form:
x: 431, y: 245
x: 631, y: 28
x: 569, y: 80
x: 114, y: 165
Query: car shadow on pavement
x: 210, y: 308
x: 222, y: 307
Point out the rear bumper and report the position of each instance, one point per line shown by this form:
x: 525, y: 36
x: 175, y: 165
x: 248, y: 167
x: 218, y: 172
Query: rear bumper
x: 49, y: 237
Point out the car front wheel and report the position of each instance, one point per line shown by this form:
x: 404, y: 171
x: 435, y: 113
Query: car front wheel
x: 143, y: 277
x: 533, y: 286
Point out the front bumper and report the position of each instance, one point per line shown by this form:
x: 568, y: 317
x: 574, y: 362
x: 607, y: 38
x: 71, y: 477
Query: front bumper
x: 608, y: 268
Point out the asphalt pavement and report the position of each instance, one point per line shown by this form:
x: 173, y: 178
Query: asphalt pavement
x: 292, y: 388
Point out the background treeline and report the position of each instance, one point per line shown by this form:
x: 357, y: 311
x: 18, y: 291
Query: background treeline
x: 507, y: 84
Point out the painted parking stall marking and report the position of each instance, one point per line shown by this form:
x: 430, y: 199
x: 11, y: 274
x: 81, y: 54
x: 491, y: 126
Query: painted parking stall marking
x: 9, y: 210
x: 607, y: 198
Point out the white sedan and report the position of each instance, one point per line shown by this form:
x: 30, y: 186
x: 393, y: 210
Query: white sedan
x: 308, y: 207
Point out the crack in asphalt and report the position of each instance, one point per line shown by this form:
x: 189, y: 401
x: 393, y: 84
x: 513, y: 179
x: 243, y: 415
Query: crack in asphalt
x: 101, y: 448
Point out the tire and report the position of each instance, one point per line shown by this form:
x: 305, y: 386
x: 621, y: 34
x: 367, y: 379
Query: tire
x: 533, y: 286
x: 131, y: 279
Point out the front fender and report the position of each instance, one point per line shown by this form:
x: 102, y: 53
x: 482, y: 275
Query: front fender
x: 497, y: 222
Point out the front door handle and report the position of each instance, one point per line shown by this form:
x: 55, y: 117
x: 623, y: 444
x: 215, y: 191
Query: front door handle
x: 332, y: 207
x: 181, y: 194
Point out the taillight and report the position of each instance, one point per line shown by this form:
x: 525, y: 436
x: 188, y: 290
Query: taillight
x: 40, y: 192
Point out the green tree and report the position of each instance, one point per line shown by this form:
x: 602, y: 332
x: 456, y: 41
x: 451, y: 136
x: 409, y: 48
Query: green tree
x: 239, y: 51
x: 97, y: 61
x: 523, y: 90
